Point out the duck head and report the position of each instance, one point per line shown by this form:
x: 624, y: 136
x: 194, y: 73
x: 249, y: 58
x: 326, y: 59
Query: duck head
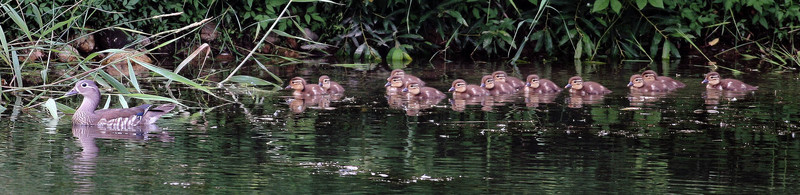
x: 649, y: 75
x: 394, y: 81
x: 398, y: 72
x: 487, y: 82
x: 87, y: 88
x: 412, y: 88
x: 636, y: 81
x: 712, y: 78
x: 325, y: 82
x: 459, y: 85
x: 297, y: 83
x: 575, y: 82
x: 499, y: 76
x: 532, y: 81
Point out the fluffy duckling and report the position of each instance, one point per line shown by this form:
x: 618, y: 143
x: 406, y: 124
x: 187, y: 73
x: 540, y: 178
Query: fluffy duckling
x: 651, y: 76
x: 496, y: 88
x: 640, y: 84
x: 713, y: 81
x: 331, y: 87
x: 416, y: 91
x: 536, y: 85
x: 303, y: 89
x: 407, y: 77
x: 461, y: 89
x: 576, y: 85
x: 502, y: 77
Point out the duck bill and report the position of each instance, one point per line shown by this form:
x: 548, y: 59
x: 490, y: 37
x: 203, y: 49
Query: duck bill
x: 288, y: 87
x: 451, y: 89
x: 630, y: 84
x: 705, y: 81
x: 483, y: 85
x: 568, y: 86
x: 320, y: 84
x: 405, y: 89
x: 388, y: 84
x: 70, y: 93
x: 527, y: 84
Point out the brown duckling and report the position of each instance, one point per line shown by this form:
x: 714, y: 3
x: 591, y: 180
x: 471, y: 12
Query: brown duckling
x: 331, y: 87
x: 407, y: 77
x: 416, y: 91
x: 502, y: 77
x: 536, y: 85
x: 395, y: 84
x: 713, y: 81
x: 640, y: 84
x: 303, y: 89
x: 651, y: 76
x: 576, y: 85
x: 496, y: 88
x: 461, y: 89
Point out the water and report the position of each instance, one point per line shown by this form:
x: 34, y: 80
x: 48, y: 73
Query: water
x: 362, y: 143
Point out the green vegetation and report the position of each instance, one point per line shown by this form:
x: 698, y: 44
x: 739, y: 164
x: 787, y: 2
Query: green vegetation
x: 371, y: 31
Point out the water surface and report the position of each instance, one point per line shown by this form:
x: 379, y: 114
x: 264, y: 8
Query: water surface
x: 683, y: 142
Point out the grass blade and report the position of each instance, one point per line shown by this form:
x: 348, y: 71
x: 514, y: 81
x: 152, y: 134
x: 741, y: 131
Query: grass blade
x: 18, y: 20
x: 65, y: 109
x: 132, y: 77
x: 17, y: 68
x: 58, y: 25
x: 190, y: 58
x: 108, y: 102
x: 172, y: 76
x: 51, y: 106
x: 122, y: 101
x: 147, y: 97
x: 251, y: 80
x: 4, y: 43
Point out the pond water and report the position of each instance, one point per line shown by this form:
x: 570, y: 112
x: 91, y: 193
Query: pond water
x: 686, y: 142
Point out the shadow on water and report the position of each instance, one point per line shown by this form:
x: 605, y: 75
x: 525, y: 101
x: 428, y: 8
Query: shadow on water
x: 687, y: 141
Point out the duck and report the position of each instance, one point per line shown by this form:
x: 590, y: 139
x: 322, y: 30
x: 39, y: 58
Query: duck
x: 536, y: 85
x: 502, y: 77
x: 713, y: 81
x: 303, y: 89
x: 407, y: 77
x: 331, y: 87
x: 86, y: 114
x: 672, y: 84
x: 576, y: 85
x: 461, y: 89
x: 640, y: 84
x: 418, y: 92
x: 395, y: 84
x: 496, y: 88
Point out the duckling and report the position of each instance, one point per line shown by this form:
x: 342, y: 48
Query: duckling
x: 407, y: 77
x: 536, y: 85
x: 330, y: 86
x: 461, y: 89
x: 496, y: 88
x: 502, y: 77
x: 415, y: 91
x: 651, y: 76
x: 713, y: 81
x: 576, y: 85
x: 640, y: 84
x: 394, y: 84
x: 303, y: 89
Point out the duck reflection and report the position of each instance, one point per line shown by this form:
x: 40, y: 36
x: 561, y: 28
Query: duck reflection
x: 638, y: 98
x: 577, y: 101
x: 411, y: 106
x: 298, y: 105
x: 712, y: 97
x: 84, y: 165
x: 533, y: 100
x: 460, y: 103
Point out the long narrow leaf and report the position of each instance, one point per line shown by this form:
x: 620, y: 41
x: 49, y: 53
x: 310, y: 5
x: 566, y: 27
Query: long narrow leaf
x: 122, y: 101
x: 51, y: 106
x: 189, y: 59
x: 64, y: 108
x: 18, y: 20
x: 151, y: 97
x: 132, y: 77
x: 171, y: 75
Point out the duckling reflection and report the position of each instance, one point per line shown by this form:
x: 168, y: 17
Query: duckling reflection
x: 577, y: 101
x: 534, y: 99
x: 460, y: 103
x: 712, y: 96
x: 84, y: 165
x: 416, y: 105
x: 639, y: 98
x: 299, y: 105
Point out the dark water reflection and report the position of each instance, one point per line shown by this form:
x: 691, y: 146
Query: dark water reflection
x: 690, y: 141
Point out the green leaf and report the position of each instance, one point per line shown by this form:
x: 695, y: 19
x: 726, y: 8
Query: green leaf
x: 51, y: 106
x: 18, y: 20
x: 600, y: 5
x: 578, y: 50
x: 132, y: 74
x: 171, y: 75
x: 616, y: 6
x: 58, y: 25
x: 641, y: 3
x: 122, y: 101
x: 151, y: 98
x: 458, y: 17
x: 64, y: 108
x: 657, y: 3
x: 251, y: 80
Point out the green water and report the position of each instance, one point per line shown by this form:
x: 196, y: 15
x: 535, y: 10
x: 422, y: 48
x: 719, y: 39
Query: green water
x: 686, y: 142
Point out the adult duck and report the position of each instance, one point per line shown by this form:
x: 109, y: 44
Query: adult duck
x: 121, y: 117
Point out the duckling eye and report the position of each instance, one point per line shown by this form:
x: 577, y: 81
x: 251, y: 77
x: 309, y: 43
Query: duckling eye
x: 460, y: 84
x: 534, y: 80
x: 638, y: 80
x: 84, y: 85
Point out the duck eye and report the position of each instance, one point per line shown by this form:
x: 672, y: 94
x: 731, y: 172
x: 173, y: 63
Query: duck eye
x: 84, y: 85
